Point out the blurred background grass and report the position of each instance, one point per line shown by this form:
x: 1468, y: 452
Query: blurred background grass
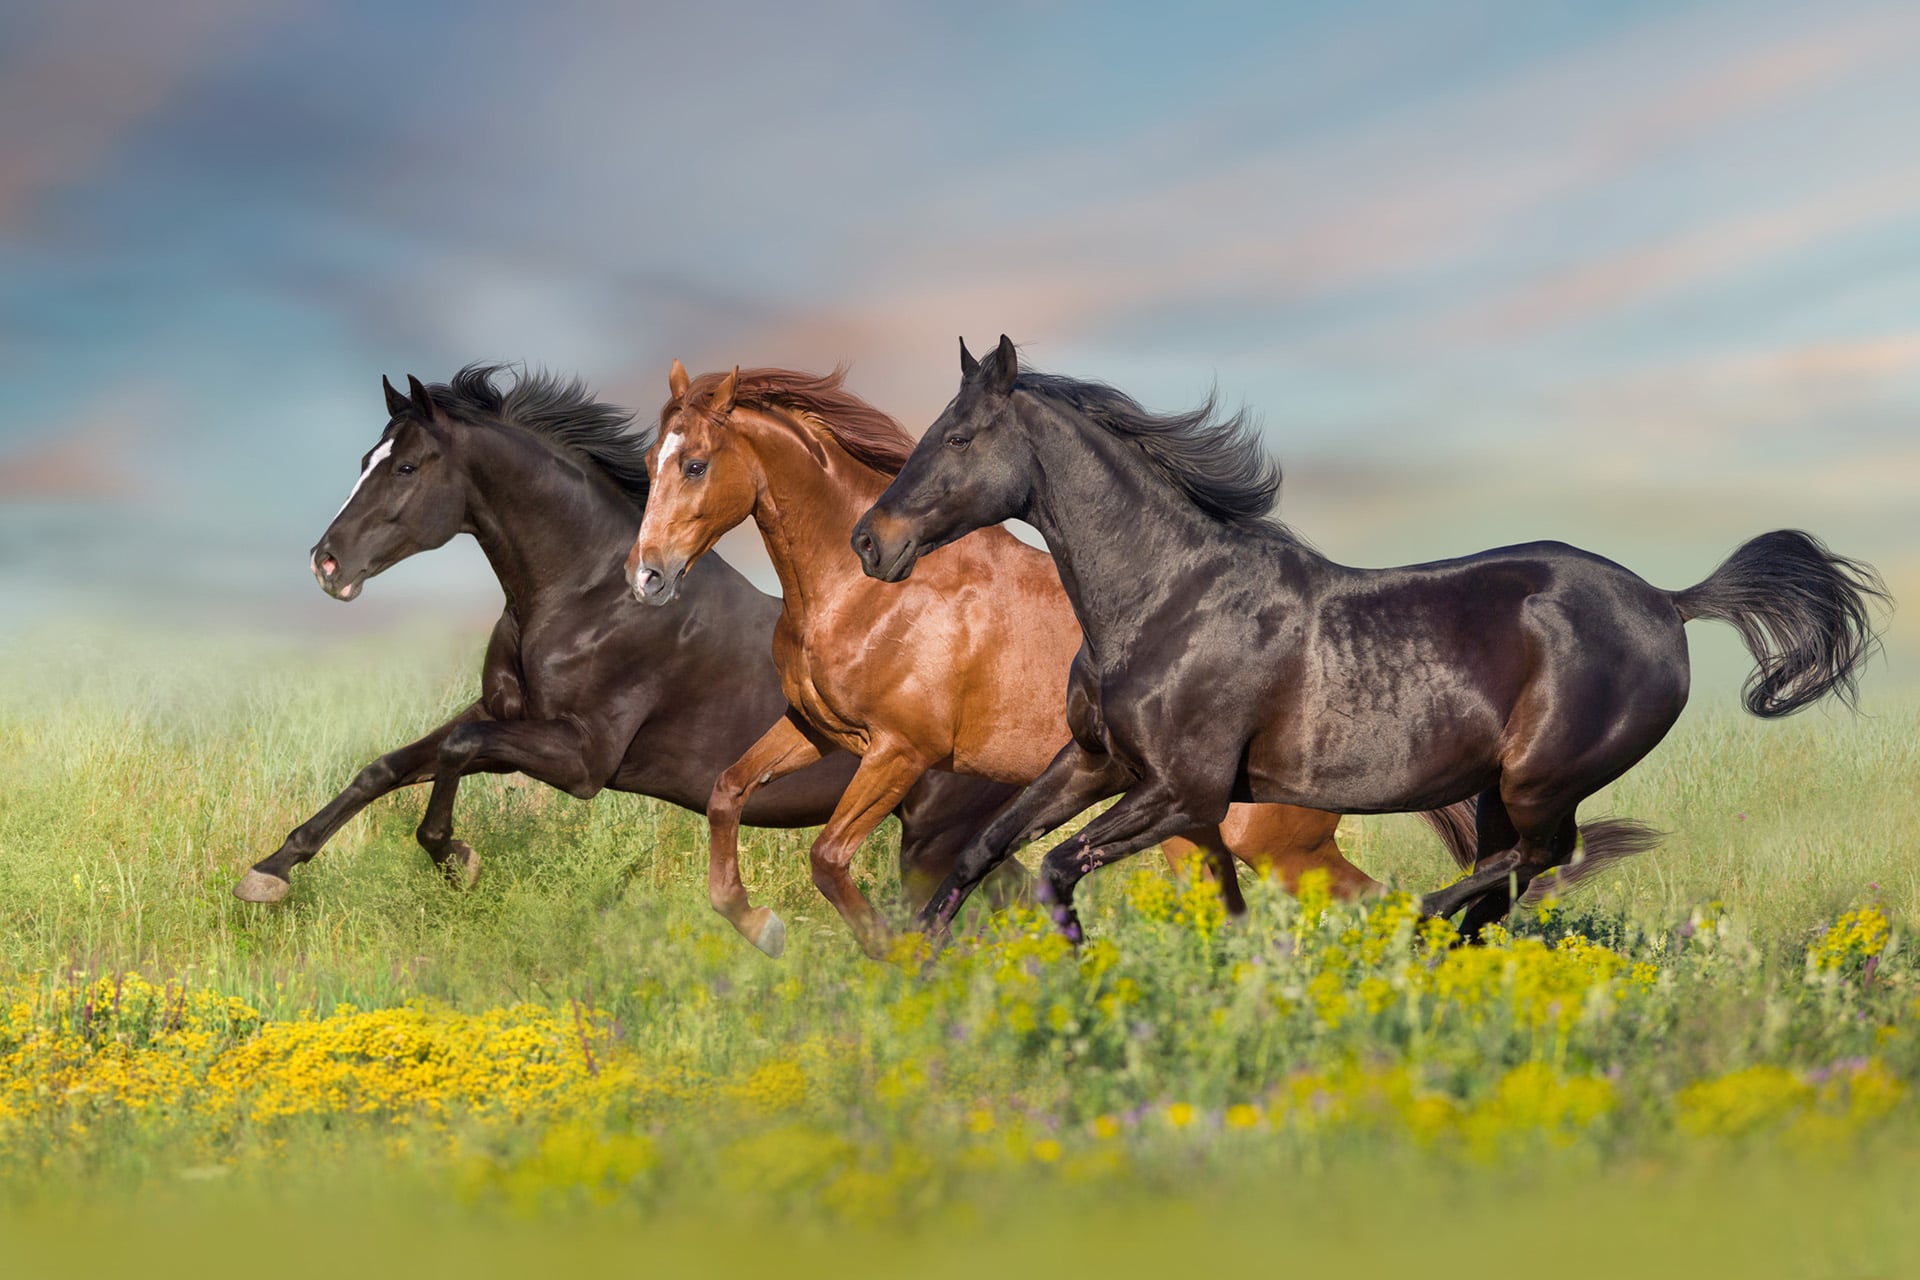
x: 1767, y: 1218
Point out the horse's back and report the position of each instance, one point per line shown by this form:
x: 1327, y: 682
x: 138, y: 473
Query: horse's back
x: 1417, y: 680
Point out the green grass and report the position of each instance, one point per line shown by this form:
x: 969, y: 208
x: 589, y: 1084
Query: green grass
x: 142, y: 780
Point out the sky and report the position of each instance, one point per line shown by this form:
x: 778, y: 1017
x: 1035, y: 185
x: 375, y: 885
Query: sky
x: 1643, y: 277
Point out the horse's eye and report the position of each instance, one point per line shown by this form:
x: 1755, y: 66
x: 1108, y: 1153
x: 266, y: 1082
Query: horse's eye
x: 959, y: 442
x: 694, y: 469
x: 405, y: 469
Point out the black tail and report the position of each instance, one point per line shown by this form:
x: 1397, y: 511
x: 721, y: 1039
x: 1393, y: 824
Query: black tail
x: 1603, y: 842
x: 1805, y: 613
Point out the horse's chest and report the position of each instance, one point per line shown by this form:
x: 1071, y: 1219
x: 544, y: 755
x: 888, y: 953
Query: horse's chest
x: 556, y: 672
x: 812, y: 681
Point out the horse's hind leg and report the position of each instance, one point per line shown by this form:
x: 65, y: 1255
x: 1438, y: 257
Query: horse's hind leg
x: 937, y: 820
x: 402, y: 767
x: 1279, y: 839
x: 1536, y: 855
x: 1497, y: 857
x: 1536, y: 826
x: 1210, y: 846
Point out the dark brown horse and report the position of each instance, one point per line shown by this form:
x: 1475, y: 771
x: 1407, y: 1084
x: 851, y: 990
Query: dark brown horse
x: 581, y: 688
x: 966, y: 669
x: 1230, y: 661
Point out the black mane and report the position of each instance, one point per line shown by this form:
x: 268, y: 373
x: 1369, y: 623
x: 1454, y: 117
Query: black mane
x: 1220, y: 463
x: 558, y: 409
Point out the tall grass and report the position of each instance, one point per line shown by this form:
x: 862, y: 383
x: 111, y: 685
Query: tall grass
x: 142, y: 779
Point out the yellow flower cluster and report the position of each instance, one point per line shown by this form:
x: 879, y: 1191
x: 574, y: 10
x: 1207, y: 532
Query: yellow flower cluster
x: 1759, y: 1099
x: 1531, y: 1104
x: 1337, y: 1024
x: 1857, y: 937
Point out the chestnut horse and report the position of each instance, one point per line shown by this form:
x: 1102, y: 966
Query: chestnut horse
x: 965, y: 670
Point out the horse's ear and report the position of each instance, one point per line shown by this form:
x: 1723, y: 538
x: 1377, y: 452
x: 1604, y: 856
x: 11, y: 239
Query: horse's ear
x: 723, y: 394
x: 677, y: 380
x: 397, y: 404
x: 419, y: 401
x: 968, y: 365
x: 1006, y: 366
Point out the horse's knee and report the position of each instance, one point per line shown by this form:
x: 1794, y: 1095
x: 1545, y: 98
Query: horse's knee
x: 376, y: 777
x: 729, y: 796
x: 460, y: 746
x: 828, y: 868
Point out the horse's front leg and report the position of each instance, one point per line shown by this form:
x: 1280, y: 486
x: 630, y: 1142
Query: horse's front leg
x: 1146, y: 815
x: 561, y: 753
x: 267, y: 881
x: 886, y: 773
x: 784, y: 748
x: 1075, y: 779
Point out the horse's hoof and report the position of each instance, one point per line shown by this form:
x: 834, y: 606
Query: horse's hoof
x: 258, y: 886
x: 462, y: 865
x: 773, y: 936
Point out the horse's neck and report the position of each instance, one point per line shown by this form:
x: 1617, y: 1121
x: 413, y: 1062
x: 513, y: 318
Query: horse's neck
x: 550, y: 527
x: 1124, y: 540
x: 806, y: 515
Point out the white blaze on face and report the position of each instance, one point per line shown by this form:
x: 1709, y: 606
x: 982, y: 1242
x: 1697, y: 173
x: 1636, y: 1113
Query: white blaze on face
x: 669, y: 447
x: 374, y: 459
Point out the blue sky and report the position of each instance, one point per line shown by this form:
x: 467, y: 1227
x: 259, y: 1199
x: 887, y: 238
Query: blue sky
x: 1644, y: 277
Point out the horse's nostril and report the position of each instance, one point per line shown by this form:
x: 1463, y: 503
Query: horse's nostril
x: 329, y: 566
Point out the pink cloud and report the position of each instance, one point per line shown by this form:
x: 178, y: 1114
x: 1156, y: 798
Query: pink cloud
x: 93, y: 456
x: 88, y: 466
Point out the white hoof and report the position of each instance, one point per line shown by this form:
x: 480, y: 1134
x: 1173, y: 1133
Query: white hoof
x: 258, y: 886
x: 773, y: 936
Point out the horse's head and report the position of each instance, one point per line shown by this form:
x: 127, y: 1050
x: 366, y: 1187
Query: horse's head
x: 409, y: 498
x: 973, y: 468
x: 702, y: 483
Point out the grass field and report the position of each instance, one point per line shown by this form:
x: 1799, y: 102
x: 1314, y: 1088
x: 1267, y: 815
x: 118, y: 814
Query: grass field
x: 1705, y: 1063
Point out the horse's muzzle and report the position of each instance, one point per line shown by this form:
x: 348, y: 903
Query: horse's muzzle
x: 888, y: 559
x: 326, y: 571
x: 656, y: 586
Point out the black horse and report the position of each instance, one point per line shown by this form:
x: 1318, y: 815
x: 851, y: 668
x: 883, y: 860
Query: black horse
x: 581, y: 688
x: 1227, y: 660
